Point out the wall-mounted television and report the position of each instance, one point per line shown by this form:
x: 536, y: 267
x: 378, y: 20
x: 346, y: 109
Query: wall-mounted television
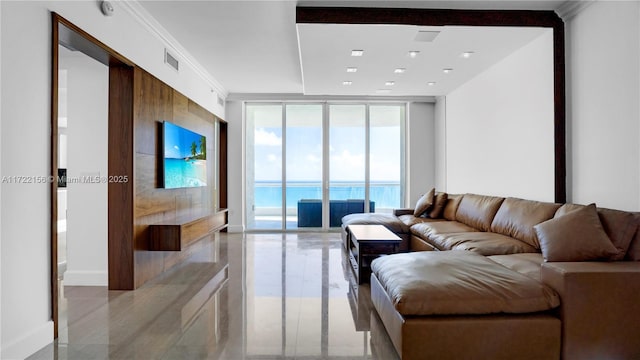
x: 185, y: 157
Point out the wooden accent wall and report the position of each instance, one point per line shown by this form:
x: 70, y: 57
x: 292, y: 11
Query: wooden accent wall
x: 154, y: 102
x: 120, y: 163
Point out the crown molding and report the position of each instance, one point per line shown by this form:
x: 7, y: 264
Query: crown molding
x: 295, y: 97
x: 143, y: 17
x: 571, y: 8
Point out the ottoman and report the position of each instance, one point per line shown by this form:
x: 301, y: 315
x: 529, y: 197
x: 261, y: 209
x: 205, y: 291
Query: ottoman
x: 459, y: 304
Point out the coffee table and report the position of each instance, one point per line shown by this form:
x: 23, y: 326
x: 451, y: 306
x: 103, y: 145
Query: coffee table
x: 366, y: 243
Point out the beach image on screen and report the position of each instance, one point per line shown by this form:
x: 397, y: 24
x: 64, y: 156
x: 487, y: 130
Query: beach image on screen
x: 185, y: 157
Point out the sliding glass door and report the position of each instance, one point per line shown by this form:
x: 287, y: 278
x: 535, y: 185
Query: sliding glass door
x: 348, y: 161
x: 304, y: 166
x: 355, y: 150
x: 386, y: 157
x: 264, y: 166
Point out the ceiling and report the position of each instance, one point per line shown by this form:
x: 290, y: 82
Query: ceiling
x: 256, y: 46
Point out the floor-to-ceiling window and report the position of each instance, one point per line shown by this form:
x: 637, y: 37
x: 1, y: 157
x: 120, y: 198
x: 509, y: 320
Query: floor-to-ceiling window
x: 264, y: 166
x: 309, y: 164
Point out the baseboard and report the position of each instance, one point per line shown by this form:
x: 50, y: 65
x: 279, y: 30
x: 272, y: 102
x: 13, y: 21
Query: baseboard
x: 28, y: 344
x: 86, y: 278
x: 235, y: 228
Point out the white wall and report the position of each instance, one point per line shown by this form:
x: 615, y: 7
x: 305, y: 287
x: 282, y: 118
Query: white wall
x: 421, y: 156
x: 603, y: 46
x: 499, y: 127
x: 0, y: 178
x: 25, y: 30
x: 87, y: 149
x: 439, y: 143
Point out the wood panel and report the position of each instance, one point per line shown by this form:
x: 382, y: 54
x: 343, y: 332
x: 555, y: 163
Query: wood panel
x: 54, y: 173
x: 179, y: 233
x: 120, y: 163
x: 154, y: 105
x: 222, y: 150
x: 157, y: 102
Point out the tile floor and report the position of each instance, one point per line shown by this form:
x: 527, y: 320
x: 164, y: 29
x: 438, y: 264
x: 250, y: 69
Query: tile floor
x: 247, y: 296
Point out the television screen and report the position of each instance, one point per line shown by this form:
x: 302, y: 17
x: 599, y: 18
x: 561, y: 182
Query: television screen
x: 185, y: 157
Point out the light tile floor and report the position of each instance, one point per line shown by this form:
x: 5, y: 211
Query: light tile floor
x: 249, y: 296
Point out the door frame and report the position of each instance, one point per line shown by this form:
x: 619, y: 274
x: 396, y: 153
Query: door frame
x: 63, y: 31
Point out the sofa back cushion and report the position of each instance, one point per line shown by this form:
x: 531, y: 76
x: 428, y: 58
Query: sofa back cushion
x: 516, y: 218
x: 478, y: 211
x: 633, y: 253
x: 620, y: 226
x: 451, y: 206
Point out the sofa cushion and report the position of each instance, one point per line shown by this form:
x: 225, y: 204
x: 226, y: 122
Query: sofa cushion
x: 485, y: 243
x: 389, y: 221
x: 451, y: 206
x: 438, y: 205
x: 567, y: 208
x: 516, y: 218
x: 458, y: 282
x: 478, y: 211
x: 426, y: 229
x: 633, y: 253
x: 527, y: 264
x: 576, y: 236
x: 619, y: 225
x: 425, y: 203
x: 411, y: 220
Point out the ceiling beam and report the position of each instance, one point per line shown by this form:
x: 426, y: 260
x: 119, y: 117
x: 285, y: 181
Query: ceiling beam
x: 448, y: 17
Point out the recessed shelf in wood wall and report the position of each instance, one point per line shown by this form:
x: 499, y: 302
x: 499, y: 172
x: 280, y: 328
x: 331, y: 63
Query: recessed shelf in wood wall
x: 176, y: 234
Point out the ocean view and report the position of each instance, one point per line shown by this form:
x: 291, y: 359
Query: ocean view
x: 180, y: 173
x: 269, y: 194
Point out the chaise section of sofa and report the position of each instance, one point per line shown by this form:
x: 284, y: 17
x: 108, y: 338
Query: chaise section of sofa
x: 459, y: 304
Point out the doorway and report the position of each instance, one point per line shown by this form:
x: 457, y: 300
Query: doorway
x: 90, y: 152
x: 83, y: 110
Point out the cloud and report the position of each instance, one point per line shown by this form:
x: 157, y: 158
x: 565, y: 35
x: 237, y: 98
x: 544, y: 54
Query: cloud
x: 176, y: 147
x: 273, y: 158
x: 263, y: 137
x: 314, y: 159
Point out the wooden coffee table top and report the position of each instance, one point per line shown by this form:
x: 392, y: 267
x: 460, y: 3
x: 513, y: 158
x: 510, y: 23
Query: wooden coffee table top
x: 372, y: 233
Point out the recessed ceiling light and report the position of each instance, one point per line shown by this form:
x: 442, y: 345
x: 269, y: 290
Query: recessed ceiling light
x: 347, y: 82
x: 399, y: 70
x: 431, y: 83
x: 383, y: 91
x: 413, y: 53
x: 447, y: 71
x: 357, y: 52
x: 467, y: 54
x: 351, y: 69
x: 389, y: 83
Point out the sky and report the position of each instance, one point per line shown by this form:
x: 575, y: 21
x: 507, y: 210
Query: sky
x: 177, y: 141
x: 346, y: 143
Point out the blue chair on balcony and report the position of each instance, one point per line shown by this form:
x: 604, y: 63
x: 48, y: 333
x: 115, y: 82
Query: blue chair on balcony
x: 310, y: 211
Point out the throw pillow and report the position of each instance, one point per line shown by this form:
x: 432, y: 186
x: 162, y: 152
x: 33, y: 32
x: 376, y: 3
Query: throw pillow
x: 425, y: 203
x: 576, y: 236
x: 438, y: 205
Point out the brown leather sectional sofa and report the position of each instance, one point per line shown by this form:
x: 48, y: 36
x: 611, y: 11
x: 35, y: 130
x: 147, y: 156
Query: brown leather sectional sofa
x: 530, y: 283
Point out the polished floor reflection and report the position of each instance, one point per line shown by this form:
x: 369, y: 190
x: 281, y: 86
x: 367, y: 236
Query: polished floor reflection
x: 247, y: 296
